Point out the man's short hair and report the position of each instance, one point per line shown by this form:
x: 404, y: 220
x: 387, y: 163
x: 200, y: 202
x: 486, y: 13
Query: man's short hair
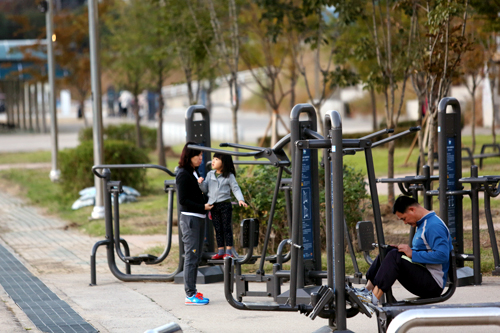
x: 402, y: 203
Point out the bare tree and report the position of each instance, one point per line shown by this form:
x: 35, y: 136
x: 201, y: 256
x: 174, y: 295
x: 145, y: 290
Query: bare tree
x: 266, y: 58
x: 443, y: 39
x: 226, y: 38
x: 392, y: 40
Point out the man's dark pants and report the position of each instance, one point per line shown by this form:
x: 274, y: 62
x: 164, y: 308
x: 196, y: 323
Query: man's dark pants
x: 192, y: 229
x: 414, y: 277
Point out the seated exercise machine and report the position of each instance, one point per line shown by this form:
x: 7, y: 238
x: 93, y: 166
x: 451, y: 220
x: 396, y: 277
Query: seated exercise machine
x: 336, y: 300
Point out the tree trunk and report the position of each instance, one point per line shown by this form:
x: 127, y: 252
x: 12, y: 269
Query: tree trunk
x: 208, y: 103
x: 317, y: 107
x: 293, y: 83
x: 274, y: 127
x: 493, y: 132
x: 159, y: 137
x: 82, y: 107
x: 473, y: 127
x: 189, y: 83
x: 235, y: 106
x: 374, y: 110
x: 138, y: 134
x: 421, y: 144
x: 390, y: 171
x: 430, y: 151
x: 235, y: 123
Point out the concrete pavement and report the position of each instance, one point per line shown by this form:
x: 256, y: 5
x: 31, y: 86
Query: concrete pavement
x: 59, y: 257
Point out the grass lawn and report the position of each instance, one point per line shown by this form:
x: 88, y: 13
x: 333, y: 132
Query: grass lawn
x: 30, y: 157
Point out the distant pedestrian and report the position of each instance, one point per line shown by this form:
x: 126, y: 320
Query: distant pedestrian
x: 111, y: 94
x: 219, y: 183
x: 125, y: 101
x: 152, y: 105
x: 192, y: 220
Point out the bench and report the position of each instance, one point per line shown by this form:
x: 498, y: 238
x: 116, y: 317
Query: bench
x: 483, y: 155
x: 468, y: 157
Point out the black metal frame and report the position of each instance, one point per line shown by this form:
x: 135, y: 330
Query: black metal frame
x: 276, y: 157
x: 321, y: 298
x: 490, y: 186
x: 112, y: 236
x: 331, y: 301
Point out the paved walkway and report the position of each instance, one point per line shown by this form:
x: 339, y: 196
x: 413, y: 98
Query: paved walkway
x: 59, y: 257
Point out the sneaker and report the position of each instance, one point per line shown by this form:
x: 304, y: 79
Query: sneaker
x: 365, y: 295
x: 201, y: 295
x: 218, y: 256
x: 196, y: 299
x: 227, y: 256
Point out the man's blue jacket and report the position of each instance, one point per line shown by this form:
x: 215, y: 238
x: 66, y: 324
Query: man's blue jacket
x: 431, y: 246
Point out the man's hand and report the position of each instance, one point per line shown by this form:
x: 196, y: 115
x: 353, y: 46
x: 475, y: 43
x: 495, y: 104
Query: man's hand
x: 405, y: 249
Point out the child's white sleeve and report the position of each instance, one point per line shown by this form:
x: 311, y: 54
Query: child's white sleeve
x: 235, y: 188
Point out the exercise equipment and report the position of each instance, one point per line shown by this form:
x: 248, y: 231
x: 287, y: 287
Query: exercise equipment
x: 112, y: 226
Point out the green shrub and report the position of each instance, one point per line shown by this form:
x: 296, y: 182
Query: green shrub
x: 258, y: 192
x: 123, y: 132
x: 76, y: 165
x: 355, y: 200
x: 258, y: 189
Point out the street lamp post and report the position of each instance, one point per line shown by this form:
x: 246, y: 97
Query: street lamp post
x: 49, y: 8
x: 95, y: 73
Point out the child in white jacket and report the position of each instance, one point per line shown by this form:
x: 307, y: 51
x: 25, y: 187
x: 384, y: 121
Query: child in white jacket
x: 219, y: 183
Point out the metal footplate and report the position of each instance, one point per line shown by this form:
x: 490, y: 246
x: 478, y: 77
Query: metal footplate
x: 325, y: 296
x: 146, y: 258
x: 355, y: 300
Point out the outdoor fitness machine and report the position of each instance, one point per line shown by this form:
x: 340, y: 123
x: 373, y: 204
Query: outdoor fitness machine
x: 197, y: 131
x: 309, y: 261
x: 451, y: 192
x: 112, y: 189
x: 335, y: 301
x: 321, y: 299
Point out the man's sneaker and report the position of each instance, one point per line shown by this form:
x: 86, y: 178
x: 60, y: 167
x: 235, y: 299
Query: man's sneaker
x: 196, y: 299
x: 365, y: 296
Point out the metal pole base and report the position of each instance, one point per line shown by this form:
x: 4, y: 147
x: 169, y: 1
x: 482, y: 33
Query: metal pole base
x: 206, y: 275
x: 465, y: 277
x: 303, y: 295
x: 55, y: 175
x: 168, y: 328
x: 97, y: 213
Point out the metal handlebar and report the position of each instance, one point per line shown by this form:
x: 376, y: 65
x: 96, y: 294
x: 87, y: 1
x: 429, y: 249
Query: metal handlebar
x: 237, y: 145
x: 129, y: 166
x: 396, y: 136
x: 222, y: 151
x: 381, y: 132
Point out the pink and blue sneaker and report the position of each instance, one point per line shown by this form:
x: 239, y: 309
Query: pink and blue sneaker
x: 197, y: 299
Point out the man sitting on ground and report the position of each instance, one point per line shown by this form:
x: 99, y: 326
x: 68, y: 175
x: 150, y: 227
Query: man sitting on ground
x: 423, y: 268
